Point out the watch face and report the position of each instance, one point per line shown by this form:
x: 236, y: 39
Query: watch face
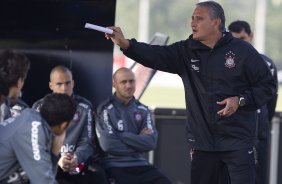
x: 242, y: 101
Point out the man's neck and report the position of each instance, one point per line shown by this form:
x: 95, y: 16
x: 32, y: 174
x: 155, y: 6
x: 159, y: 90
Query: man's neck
x: 213, y: 40
x: 124, y: 101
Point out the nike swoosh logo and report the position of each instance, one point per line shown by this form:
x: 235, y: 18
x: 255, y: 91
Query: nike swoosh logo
x: 194, y: 60
x: 250, y: 152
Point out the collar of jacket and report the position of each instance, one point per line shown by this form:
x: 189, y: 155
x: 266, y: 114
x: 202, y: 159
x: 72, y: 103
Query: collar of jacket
x: 114, y: 99
x: 197, y: 45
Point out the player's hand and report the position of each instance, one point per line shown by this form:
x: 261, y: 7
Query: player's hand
x: 231, y: 106
x: 117, y: 37
x: 68, y: 162
x: 146, y: 130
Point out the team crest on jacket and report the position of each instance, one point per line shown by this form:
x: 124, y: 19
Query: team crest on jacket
x: 138, y: 116
x: 76, y: 117
x: 230, y: 60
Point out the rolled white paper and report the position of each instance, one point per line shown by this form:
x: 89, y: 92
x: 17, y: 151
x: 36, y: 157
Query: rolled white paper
x: 98, y: 28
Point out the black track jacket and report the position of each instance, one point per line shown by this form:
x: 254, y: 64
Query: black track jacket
x: 233, y: 67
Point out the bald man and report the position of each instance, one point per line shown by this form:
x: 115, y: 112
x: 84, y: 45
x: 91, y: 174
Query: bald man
x: 78, y: 146
x: 125, y: 131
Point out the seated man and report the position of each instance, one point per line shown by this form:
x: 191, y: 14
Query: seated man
x: 30, y: 142
x: 125, y: 130
x: 13, y: 72
x: 78, y: 146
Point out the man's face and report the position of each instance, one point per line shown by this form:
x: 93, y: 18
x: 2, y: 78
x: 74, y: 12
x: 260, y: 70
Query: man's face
x: 124, y: 83
x: 243, y: 35
x: 203, y: 26
x: 61, y: 82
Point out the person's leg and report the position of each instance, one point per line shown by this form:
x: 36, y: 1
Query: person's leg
x: 94, y: 173
x: 241, y: 165
x: 137, y: 175
x: 223, y: 174
x: 122, y: 175
x: 263, y: 162
x: 205, y: 167
x: 89, y: 174
x: 65, y: 178
x: 151, y: 175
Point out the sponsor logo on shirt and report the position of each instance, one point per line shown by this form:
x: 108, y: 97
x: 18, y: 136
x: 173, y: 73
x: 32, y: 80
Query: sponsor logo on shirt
x: 67, y: 148
x: 195, y: 65
x: 34, y: 140
x: 149, y: 121
x: 106, y: 121
x: 89, y: 123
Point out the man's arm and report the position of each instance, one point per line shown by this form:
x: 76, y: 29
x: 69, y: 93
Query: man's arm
x: 164, y: 58
x: 271, y: 105
x: 33, y: 151
x: 84, y: 147
x: 146, y: 140
x: 108, y: 139
x: 262, y: 86
x: 37, y: 105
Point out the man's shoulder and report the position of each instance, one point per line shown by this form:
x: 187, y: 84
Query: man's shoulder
x: 106, y: 104
x: 30, y: 113
x: 141, y: 106
x: 22, y: 122
x: 37, y: 105
x: 267, y: 60
x: 83, y: 102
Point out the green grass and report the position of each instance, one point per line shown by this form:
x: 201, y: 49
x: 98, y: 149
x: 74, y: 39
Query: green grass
x: 168, y: 97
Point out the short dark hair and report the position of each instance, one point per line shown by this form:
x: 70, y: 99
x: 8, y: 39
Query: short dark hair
x: 216, y: 11
x: 240, y: 25
x: 13, y: 66
x: 58, y: 108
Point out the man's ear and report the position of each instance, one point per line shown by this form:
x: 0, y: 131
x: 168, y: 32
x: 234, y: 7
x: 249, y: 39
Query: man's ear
x: 217, y: 22
x: 252, y: 36
x: 64, y: 126
x: 20, y: 83
x: 114, y: 84
x: 59, y: 129
x: 50, y: 85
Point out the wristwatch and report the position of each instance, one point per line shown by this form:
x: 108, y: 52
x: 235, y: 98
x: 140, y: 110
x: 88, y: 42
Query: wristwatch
x: 242, y: 101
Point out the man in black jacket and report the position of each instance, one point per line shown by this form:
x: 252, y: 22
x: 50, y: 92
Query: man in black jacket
x: 225, y: 81
x: 241, y: 29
